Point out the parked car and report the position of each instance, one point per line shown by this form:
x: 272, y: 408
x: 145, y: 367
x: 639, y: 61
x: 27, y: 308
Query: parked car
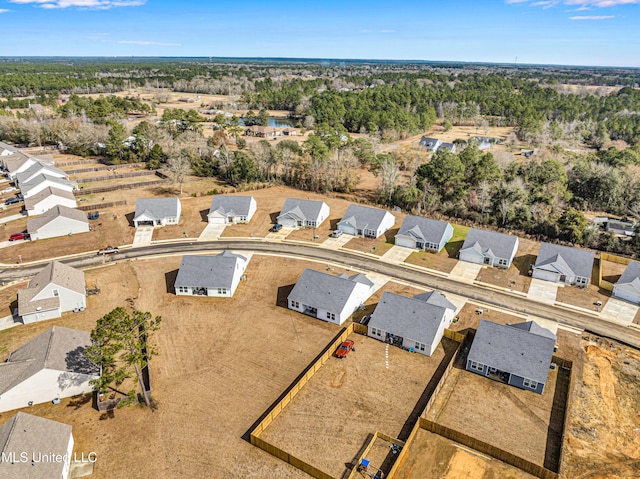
x: 336, y: 233
x: 94, y: 216
x: 345, y: 348
x: 19, y: 236
x: 275, y: 228
x: 109, y: 250
x: 12, y: 201
x: 9, y: 189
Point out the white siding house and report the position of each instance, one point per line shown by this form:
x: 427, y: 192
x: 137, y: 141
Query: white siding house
x: 42, y: 181
x: 39, y: 168
x: 47, y: 199
x: 231, y: 209
x: 210, y: 275
x: 423, y: 234
x: 328, y: 297
x: 298, y: 213
x: 157, y: 212
x: 563, y: 264
x: 58, y: 221
x: 36, y: 439
x: 366, y: 221
x: 54, y: 290
x: 50, y: 366
x: 628, y: 286
x: 488, y: 247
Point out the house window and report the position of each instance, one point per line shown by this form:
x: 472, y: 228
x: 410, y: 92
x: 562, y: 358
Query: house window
x: 419, y: 346
x: 222, y: 291
x: 528, y: 383
x: 376, y: 331
x: 295, y: 304
x: 243, y: 219
x: 183, y: 289
x: 476, y: 366
x: 55, y: 293
x: 502, y: 262
x: 331, y: 316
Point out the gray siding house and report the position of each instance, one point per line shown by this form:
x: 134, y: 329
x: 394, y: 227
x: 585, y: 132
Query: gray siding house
x: 488, y: 247
x: 298, y: 213
x: 423, y: 233
x: 210, y: 275
x: 628, y: 286
x: 416, y: 324
x: 562, y: 264
x: 366, y: 221
x: 515, y: 354
x: 231, y: 209
x: 157, y: 212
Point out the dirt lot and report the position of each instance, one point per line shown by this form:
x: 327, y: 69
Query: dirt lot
x: 611, y: 271
x: 222, y: 362
x: 432, y: 456
x: 327, y: 423
x: 517, y: 276
x: 583, y: 297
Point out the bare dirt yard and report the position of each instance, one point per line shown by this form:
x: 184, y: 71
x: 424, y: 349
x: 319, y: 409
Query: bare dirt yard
x: 222, y: 362
x: 583, y: 297
x: 517, y: 276
x: 328, y: 422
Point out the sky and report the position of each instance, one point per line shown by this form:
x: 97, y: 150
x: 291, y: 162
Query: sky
x: 566, y: 32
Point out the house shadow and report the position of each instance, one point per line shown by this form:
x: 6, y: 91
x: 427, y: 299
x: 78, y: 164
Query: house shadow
x: 389, y: 235
x: 170, y: 280
x: 274, y: 217
x: 523, y: 263
x: 13, y: 306
x: 129, y: 217
x: 453, y: 248
x: 283, y: 294
x: 333, y: 224
x: 204, y: 215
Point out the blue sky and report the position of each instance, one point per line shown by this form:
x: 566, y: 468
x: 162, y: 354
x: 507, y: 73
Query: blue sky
x: 570, y: 32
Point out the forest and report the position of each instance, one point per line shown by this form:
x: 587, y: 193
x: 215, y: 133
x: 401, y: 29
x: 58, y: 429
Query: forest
x: 583, y: 124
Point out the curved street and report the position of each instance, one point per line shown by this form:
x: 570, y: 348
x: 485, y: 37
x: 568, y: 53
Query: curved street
x: 496, y: 298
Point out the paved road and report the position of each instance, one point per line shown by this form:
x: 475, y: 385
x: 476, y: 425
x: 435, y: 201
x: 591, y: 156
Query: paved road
x: 473, y: 292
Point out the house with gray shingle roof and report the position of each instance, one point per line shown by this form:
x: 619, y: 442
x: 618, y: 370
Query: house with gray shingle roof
x: 622, y: 228
x: 210, y: 275
x: 423, y: 233
x: 6, y: 149
x: 328, y: 297
x: 365, y: 221
x: 518, y: 355
x: 628, y: 286
x: 231, y: 209
x: 42, y: 180
x: 489, y: 247
x: 563, y: 264
x: 50, y: 366
x: 57, y: 288
x: 416, y: 324
x: 26, y: 441
x: 447, y: 146
x: 431, y: 144
x: 157, y: 212
x: 297, y: 213
x: 58, y: 221
x: 15, y: 163
x: 48, y: 198
x: 39, y: 168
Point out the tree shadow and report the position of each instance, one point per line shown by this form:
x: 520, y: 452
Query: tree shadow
x: 453, y: 248
x: 170, y: 280
x: 165, y: 190
x: 78, y: 401
x: 78, y: 363
x: 283, y: 294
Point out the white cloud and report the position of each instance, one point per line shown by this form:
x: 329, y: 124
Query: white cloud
x: 4, y: 10
x: 581, y: 4
x: 592, y: 17
x: 92, y: 4
x: 147, y: 42
x: 387, y: 31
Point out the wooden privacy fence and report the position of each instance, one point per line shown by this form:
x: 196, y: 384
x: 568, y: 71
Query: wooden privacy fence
x: 102, y: 205
x: 129, y: 186
x: 131, y: 174
x: 598, y: 281
x: 483, y: 447
x: 102, y: 168
x: 369, y: 446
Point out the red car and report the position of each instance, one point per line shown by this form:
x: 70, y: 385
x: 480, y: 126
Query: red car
x: 18, y: 236
x: 344, y: 349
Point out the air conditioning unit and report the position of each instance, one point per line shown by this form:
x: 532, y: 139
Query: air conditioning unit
x: 553, y: 366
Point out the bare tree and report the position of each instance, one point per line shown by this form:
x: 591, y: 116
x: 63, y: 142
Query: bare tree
x: 388, y: 179
x: 179, y: 166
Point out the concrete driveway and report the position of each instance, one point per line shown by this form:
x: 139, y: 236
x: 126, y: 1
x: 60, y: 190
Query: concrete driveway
x: 543, y: 291
x: 397, y: 254
x: 337, y: 243
x: 282, y: 234
x: 211, y: 232
x: 7, y: 219
x: 465, y: 272
x: 619, y: 311
x: 143, y: 236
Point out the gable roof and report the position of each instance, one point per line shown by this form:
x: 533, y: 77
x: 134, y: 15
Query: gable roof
x: 326, y: 291
x: 54, y: 273
x: 565, y: 260
x: 429, y: 142
x: 514, y: 349
x: 208, y: 271
x: 231, y: 205
x: 631, y: 275
x: 364, y: 217
x: 157, y: 208
x: 31, y: 201
x: 15, y: 161
x: 39, y: 167
x: 437, y: 299
x: 42, y: 177
x: 423, y: 229
x: 490, y: 243
x: 58, y: 211
x: 410, y: 318
x: 301, y: 209
x: 32, y: 434
x: 58, y: 348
